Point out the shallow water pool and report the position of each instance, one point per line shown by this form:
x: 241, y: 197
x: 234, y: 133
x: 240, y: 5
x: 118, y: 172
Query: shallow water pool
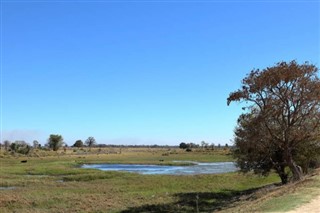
x: 197, y: 168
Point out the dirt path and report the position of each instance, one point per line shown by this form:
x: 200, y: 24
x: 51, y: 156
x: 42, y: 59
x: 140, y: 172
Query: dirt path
x: 312, y: 207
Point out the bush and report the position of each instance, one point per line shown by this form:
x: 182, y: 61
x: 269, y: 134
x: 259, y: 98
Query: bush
x: 314, y: 164
x: 183, y: 145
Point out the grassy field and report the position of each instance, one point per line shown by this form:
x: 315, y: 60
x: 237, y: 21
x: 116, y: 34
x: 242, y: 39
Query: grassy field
x: 53, y: 182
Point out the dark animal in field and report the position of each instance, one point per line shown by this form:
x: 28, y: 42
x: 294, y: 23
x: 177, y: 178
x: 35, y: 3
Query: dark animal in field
x: 24, y: 161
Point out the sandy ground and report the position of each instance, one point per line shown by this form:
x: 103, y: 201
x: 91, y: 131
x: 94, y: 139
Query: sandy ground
x: 312, y: 207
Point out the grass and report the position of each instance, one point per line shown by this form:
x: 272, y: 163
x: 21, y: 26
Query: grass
x: 283, y: 198
x: 293, y: 196
x: 51, y: 182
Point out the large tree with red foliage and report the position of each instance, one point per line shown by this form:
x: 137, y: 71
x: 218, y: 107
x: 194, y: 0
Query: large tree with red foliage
x: 282, y: 122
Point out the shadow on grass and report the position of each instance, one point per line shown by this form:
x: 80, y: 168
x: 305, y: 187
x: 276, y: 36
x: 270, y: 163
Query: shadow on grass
x: 204, y: 201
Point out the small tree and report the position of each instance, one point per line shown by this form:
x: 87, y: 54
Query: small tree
x: 55, y: 142
x: 20, y: 147
x: 6, y: 145
x: 90, y: 142
x: 35, y: 144
x: 204, y: 145
x: 13, y: 147
x: 78, y: 144
x: 212, y: 146
x: 183, y: 145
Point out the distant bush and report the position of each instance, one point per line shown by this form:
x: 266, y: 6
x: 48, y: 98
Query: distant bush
x: 183, y: 145
x: 20, y: 147
x: 55, y: 142
x: 78, y: 143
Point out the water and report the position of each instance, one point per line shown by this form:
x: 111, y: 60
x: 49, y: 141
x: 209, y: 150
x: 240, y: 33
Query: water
x: 197, y: 168
x: 7, y: 187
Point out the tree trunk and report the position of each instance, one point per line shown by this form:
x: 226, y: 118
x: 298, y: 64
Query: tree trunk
x: 283, y: 175
x: 280, y: 170
x: 296, y: 170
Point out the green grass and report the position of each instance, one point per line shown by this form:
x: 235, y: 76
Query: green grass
x: 281, y: 204
x: 295, y: 196
x: 283, y: 198
x: 55, y: 183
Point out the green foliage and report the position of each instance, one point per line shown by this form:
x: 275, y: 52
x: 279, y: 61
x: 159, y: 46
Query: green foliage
x: 191, y: 145
x: 20, y: 147
x: 13, y: 147
x: 78, y: 143
x: 183, y: 145
x: 55, y: 142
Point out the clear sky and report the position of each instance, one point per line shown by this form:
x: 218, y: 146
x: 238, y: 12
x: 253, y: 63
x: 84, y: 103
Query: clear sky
x: 141, y: 72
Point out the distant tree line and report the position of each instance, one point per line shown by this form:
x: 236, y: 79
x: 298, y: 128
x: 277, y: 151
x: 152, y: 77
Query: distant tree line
x: 203, y: 145
x: 54, y: 142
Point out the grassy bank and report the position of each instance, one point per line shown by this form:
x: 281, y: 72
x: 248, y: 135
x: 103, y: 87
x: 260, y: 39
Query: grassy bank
x: 54, y: 182
x: 284, y: 198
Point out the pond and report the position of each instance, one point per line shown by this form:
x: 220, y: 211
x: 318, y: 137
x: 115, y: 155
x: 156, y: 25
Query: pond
x: 7, y: 187
x: 196, y: 168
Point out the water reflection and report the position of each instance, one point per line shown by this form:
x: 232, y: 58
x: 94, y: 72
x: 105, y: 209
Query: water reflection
x: 7, y: 187
x: 197, y: 168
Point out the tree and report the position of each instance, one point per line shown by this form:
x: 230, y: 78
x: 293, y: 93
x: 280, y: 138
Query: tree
x: 90, y: 142
x: 55, y: 142
x: 212, y: 146
x: 204, y: 144
x: 6, y: 145
x: 253, y: 149
x: 21, y: 147
x: 35, y: 144
x: 282, y: 119
x: 183, y: 145
x: 13, y: 147
x: 78, y: 143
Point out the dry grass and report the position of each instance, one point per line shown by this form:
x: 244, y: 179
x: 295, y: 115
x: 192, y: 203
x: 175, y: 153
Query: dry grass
x: 281, y: 198
x: 53, y: 182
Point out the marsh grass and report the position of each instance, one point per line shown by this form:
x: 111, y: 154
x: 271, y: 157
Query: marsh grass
x: 56, y: 183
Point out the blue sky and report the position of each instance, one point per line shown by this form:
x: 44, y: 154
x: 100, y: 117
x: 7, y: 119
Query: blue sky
x: 141, y: 72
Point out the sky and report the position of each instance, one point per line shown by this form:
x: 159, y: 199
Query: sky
x: 141, y: 72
